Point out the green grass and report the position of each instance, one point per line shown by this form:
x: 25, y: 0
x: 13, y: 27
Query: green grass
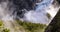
x: 31, y: 27
x: 5, y: 30
x: 2, y: 28
x: 25, y: 26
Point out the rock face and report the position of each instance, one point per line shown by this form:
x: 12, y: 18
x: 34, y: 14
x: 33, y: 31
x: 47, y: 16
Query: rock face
x: 19, y: 7
x: 22, y: 6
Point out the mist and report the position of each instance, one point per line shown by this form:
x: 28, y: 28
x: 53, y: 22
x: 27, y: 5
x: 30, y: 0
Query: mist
x: 37, y: 15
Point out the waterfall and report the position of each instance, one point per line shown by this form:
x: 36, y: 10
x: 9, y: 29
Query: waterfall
x: 39, y: 15
x: 44, y: 4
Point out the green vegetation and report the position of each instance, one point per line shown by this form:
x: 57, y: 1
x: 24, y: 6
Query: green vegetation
x: 1, y: 23
x: 24, y: 26
x: 31, y: 27
x: 2, y: 28
x: 6, y: 30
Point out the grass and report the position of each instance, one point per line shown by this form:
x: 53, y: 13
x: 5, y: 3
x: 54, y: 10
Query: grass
x: 26, y: 26
x: 2, y: 28
x: 31, y: 27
